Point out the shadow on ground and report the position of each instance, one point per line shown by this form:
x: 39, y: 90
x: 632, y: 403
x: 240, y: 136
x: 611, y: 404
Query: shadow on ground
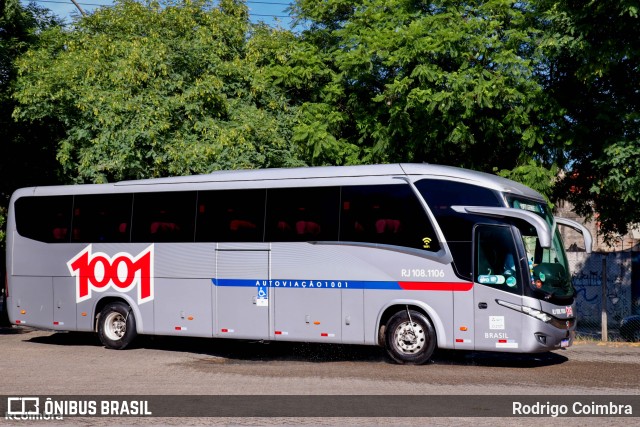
x: 240, y: 351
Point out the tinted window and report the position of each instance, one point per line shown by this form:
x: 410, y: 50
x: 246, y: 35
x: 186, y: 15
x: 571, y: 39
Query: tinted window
x: 457, y: 228
x: 230, y: 216
x: 302, y: 214
x: 47, y: 219
x: 164, y: 217
x: 442, y: 194
x: 102, y: 218
x: 388, y: 214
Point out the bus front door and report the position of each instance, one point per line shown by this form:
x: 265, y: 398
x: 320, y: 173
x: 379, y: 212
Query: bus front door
x: 240, y: 308
x: 496, y: 286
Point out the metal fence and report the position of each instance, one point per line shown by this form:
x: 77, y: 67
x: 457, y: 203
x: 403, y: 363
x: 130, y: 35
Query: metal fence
x: 608, y: 293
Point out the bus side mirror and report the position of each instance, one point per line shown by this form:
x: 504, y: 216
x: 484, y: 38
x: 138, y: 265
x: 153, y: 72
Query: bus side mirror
x: 588, y: 240
x: 542, y: 228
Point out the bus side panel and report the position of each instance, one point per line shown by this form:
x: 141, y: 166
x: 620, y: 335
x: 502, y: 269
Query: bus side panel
x: 311, y: 314
x: 64, y: 304
x: 183, y: 307
x: 353, y: 316
x: 238, y: 269
x: 30, y: 301
x: 497, y: 328
x: 85, y: 315
x: 313, y: 301
x: 184, y: 297
x: 463, y: 320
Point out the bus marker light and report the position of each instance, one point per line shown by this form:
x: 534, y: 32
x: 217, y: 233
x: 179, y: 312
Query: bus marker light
x: 226, y: 330
x: 58, y: 323
x: 181, y: 328
x: 83, y: 314
x: 316, y: 323
x: 464, y: 328
x: 324, y: 334
x: 23, y: 311
x: 20, y: 322
x: 190, y: 318
x: 281, y: 333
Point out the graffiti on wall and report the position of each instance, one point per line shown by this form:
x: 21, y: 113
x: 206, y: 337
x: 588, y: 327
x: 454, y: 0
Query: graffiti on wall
x: 587, y: 280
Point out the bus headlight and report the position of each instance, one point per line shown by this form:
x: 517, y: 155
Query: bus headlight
x: 537, y: 314
x: 527, y: 310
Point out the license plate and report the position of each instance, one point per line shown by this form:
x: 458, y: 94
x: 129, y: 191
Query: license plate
x: 565, y: 342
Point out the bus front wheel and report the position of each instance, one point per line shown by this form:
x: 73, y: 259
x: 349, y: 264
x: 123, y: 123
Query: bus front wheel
x: 116, y: 326
x: 410, y: 338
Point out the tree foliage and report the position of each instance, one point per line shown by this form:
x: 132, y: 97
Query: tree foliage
x: 158, y: 88
x: 27, y: 151
x: 172, y: 87
x: 444, y: 81
x: 593, y: 49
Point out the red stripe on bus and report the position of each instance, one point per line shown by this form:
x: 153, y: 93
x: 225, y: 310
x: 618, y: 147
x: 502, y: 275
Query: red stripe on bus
x: 436, y: 286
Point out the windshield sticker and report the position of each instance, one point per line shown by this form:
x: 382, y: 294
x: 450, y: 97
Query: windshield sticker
x: 491, y: 279
x: 511, y: 282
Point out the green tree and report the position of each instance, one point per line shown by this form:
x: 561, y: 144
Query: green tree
x: 450, y: 82
x: 593, y: 51
x: 27, y: 151
x: 147, y: 89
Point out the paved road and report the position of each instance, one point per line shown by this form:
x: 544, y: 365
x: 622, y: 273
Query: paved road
x: 47, y: 363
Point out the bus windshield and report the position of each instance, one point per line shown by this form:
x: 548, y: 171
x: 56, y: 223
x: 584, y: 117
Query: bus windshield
x: 548, y: 267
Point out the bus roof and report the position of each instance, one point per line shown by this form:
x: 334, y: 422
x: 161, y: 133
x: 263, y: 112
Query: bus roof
x: 274, y: 174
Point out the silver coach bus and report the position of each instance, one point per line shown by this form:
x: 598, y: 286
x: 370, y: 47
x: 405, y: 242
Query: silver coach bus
x: 406, y: 256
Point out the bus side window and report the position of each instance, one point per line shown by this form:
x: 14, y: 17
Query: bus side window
x: 230, y: 216
x: 164, y: 217
x: 101, y: 218
x: 46, y: 219
x: 386, y: 214
x: 302, y: 214
x: 495, y: 260
x: 440, y: 195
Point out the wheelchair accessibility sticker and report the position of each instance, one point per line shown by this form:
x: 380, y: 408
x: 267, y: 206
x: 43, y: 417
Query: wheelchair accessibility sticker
x: 263, y: 296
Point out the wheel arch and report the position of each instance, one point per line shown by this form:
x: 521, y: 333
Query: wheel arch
x: 102, y: 302
x: 395, y: 306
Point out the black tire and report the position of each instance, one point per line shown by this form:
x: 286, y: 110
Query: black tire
x: 116, y: 326
x: 410, y: 343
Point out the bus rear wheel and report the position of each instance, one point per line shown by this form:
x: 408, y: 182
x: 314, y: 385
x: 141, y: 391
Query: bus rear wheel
x: 116, y: 326
x: 410, y: 338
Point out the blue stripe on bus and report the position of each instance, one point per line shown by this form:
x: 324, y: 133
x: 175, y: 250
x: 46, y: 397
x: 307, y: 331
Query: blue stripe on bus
x: 303, y: 284
x: 347, y: 284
